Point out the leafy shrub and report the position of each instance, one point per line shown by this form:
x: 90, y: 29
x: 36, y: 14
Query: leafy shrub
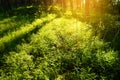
x: 107, y: 27
x: 109, y: 30
x: 17, y: 66
x: 63, y: 49
x: 79, y: 54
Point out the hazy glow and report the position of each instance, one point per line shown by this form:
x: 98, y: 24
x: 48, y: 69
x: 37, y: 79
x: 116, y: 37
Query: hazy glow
x: 84, y: 1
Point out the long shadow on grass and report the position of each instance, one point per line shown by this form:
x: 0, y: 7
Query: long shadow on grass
x: 11, y: 45
x: 15, y: 18
x: 19, y: 11
x: 14, y: 23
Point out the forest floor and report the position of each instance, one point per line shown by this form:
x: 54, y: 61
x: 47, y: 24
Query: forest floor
x: 53, y: 48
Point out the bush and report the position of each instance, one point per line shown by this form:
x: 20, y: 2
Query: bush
x: 72, y: 52
x: 17, y: 66
x: 63, y: 49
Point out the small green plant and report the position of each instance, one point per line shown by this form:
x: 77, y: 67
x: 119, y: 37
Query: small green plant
x: 62, y: 49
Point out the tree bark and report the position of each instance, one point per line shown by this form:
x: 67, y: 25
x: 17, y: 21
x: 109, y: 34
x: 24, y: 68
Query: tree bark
x: 78, y: 3
x: 6, y: 6
x: 64, y: 5
x: 87, y: 7
x: 71, y: 5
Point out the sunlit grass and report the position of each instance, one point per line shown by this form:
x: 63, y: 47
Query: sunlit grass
x: 59, y: 48
x: 64, y: 48
x: 25, y: 29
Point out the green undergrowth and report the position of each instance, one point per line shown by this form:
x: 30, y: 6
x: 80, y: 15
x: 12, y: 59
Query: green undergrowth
x: 14, y: 37
x: 62, y: 49
x: 11, y: 24
x: 17, y: 17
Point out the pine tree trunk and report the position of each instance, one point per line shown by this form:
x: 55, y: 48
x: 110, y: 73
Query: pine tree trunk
x: 87, y: 7
x: 71, y: 5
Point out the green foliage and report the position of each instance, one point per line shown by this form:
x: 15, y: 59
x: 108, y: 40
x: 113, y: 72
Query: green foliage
x: 107, y: 27
x: 13, y: 23
x: 55, y: 9
x: 6, y: 41
x: 64, y: 49
x: 26, y: 10
x: 18, y: 66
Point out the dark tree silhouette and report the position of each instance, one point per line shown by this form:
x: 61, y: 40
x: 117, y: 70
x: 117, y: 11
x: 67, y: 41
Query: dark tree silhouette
x: 5, y: 5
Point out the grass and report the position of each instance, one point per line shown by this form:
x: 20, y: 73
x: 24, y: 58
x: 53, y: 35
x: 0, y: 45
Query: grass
x: 15, y: 36
x: 12, y: 24
x: 61, y: 48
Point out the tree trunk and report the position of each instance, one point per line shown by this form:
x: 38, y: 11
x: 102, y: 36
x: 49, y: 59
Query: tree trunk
x: 64, y: 5
x: 87, y: 7
x: 6, y: 6
x: 71, y: 5
x: 78, y: 3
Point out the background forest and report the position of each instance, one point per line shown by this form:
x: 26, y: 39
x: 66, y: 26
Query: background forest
x: 59, y: 39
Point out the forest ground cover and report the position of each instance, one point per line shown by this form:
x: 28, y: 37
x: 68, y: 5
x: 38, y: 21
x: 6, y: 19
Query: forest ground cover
x: 58, y: 48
